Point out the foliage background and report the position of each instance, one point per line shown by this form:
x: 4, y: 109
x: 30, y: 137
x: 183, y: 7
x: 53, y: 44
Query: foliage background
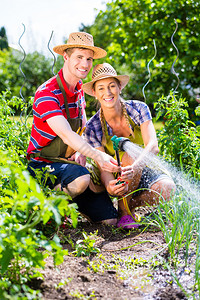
x: 127, y: 30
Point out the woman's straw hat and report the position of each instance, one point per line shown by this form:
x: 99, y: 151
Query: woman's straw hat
x: 102, y: 71
x: 81, y: 40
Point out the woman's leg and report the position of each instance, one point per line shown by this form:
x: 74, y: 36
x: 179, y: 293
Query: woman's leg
x: 162, y: 189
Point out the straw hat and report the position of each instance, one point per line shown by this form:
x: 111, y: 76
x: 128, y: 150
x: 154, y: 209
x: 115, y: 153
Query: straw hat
x: 102, y: 71
x: 81, y: 40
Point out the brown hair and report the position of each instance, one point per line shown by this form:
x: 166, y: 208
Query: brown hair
x: 69, y: 51
x: 117, y: 80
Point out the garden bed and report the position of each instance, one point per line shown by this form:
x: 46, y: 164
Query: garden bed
x: 129, y: 265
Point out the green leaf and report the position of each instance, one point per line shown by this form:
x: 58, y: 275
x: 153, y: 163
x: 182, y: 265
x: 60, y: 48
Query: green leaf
x: 6, y: 257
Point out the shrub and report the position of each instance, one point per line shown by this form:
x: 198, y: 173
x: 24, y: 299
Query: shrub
x: 179, y: 139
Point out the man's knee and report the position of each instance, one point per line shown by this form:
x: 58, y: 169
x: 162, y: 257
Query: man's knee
x: 79, y: 185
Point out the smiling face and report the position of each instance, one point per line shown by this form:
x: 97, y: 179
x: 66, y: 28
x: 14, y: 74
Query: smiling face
x: 107, y: 92
x: 78, y: 63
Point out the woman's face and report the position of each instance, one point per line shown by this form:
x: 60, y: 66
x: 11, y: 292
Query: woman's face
x: 107, y: 92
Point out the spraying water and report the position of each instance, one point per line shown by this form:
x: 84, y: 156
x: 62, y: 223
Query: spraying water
x: 189, y: 189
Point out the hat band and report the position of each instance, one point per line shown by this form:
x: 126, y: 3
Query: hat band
x: 99, y: 76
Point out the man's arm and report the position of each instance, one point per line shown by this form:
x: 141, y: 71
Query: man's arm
x: 84, y: 119
x: 62, y: 128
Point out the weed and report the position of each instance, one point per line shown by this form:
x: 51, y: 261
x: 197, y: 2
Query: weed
x: 63, y: 283
x: 86, y: 246
x: 78, y: 295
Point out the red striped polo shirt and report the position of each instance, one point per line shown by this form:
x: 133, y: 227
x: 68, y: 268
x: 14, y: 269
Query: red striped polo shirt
x: 49, y: 102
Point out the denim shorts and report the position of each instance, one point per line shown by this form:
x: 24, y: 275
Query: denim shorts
x: 63, y: 173
x: 148, y: 178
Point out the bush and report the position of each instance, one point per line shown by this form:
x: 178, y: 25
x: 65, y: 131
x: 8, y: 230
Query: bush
x: 25, y: 207
x: 179, y: 139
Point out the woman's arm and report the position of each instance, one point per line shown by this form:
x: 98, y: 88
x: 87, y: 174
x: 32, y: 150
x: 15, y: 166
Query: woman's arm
x: 151, y: 146
x: 110, y: 183
x: 149, y: 137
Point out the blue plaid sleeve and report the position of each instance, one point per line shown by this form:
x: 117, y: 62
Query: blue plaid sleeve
x: 93, y: 132
x: 138, y: 111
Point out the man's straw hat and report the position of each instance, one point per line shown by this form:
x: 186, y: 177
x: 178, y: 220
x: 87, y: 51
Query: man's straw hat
x: 81, y: 40
x: 102, y: 71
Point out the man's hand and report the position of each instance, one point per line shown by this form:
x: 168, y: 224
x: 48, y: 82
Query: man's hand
x: 80, y: 159
x: 106, y: 162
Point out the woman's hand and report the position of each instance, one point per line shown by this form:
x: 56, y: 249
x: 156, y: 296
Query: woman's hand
x: 129, y: 172
x: 117, y: 189
x: 79, y: 158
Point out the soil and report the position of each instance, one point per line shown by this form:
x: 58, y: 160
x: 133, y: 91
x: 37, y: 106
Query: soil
x: 127, y: 267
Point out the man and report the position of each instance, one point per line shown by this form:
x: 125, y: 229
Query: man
x: 58, y: 117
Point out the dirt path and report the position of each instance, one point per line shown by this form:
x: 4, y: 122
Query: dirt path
x: 123, y: 269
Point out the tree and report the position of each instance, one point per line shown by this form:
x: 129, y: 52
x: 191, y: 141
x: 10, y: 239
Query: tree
x: 3, y: 39
x: 36, y: 69
x: 127, y: 30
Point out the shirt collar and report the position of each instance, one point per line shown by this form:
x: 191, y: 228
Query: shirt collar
x: 78, y: 87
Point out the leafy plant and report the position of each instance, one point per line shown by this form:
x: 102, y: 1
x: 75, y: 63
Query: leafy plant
x: 179, y: 138
x: 14, y: 132
x: 86, y: 246
x: 23, y: 205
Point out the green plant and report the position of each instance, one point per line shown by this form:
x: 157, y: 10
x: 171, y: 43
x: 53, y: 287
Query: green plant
x: 77, y: 295
x: 14, y: 133
x: 23, y: 205
x: 86, y: 246
x: 179, y: 138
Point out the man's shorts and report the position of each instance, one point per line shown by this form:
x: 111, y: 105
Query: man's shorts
x: 63, y: 173
x: 97, y: 207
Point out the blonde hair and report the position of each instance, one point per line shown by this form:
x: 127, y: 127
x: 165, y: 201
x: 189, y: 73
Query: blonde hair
x: 103, y: 121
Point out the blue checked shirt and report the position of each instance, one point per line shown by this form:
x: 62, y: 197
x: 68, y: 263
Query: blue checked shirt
x: 137, y: 110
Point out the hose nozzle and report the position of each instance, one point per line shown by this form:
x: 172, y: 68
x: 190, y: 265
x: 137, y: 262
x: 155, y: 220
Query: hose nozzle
x: 118, y: 142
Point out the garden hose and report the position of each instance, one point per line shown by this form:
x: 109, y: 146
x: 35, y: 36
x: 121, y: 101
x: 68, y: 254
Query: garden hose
x: 118, y: 144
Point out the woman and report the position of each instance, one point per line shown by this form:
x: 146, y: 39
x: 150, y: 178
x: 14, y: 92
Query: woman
x: 131, y: 119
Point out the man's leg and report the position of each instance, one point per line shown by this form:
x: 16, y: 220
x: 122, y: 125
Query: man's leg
x: 74, y: 180
x: 76, y: 187
x: 97, y: 207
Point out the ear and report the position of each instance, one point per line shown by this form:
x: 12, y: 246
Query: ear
x: 65, y: 56
x: 93, y: 92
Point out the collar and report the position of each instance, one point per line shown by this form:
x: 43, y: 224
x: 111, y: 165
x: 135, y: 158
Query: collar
x: 78, y: 87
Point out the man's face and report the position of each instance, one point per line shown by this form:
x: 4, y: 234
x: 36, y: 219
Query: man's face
x: 79, y: 62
